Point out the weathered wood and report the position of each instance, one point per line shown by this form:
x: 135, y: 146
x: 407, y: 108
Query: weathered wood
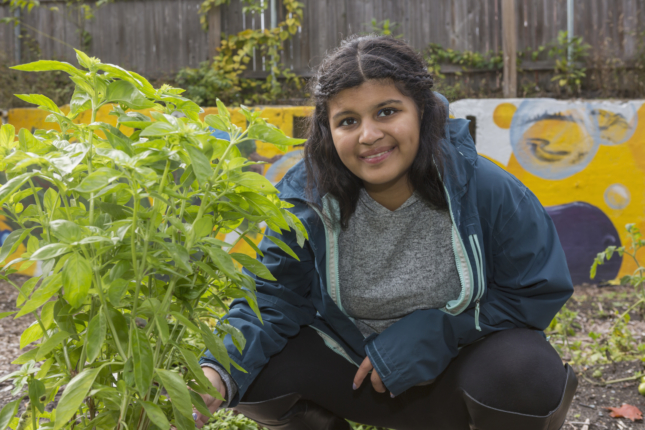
x: 509, y: 29
x: 159, y: 37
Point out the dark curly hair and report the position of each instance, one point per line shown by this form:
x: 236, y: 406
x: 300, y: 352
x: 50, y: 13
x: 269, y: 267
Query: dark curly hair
x: 356, y: 60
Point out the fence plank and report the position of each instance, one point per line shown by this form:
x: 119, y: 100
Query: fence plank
x: 159, y: 37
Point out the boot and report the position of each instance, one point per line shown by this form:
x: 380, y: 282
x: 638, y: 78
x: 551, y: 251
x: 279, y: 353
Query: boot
x: 484, y: 417
x: 290, y: 412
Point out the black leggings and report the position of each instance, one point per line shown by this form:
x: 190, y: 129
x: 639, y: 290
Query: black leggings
x: 512, y: 370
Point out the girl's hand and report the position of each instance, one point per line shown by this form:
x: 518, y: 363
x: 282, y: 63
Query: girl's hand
x: 211, y: 402
x: 363, y: 370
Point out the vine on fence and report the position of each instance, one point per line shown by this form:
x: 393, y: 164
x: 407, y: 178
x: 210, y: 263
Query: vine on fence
x: 224, y: 75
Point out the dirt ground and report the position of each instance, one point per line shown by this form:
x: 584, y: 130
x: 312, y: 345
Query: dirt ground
x: 592, y: 397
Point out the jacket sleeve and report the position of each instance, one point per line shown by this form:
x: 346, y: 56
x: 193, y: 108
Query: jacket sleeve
x: 284, y: 305
x: 528, y: 284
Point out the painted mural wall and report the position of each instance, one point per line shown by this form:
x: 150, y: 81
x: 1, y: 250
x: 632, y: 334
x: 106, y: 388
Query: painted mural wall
x: 585, y: 161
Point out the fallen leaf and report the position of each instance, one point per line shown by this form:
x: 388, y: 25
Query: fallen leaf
x: 626, y: 411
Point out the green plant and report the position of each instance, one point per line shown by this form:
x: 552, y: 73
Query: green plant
x: 569, y: 73
x: 436, y: 55
x: 134, y: 278
x: 384, y: 28
x: 225, y: 77
x: 637, y: 278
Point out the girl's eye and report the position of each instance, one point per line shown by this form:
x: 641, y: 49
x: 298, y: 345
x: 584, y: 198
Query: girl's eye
x: 347, y: 121
x: 386, y: 112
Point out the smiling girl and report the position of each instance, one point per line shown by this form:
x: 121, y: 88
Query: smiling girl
x: 428, y: 270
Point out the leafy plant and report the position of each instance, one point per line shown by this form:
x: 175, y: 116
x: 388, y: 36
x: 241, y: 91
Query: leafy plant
x: 637, y: 278
x: 569, y: 73
x: 384, y: 28
x: 224, y: 76
x: 436, y: 55
x: 135, y: 274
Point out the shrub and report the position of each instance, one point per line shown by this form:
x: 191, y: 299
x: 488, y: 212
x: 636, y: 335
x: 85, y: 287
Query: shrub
x: 134, y: 275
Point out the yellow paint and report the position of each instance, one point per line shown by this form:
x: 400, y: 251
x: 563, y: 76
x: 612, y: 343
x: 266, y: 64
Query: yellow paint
x: 611, y: 165
x: 503, y: 114
x: 24, y: 268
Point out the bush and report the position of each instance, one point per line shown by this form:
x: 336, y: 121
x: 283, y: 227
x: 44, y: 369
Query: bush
x: 134, y: 276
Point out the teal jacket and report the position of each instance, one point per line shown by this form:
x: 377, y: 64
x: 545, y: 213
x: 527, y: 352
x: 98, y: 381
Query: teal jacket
x: 511, y: 266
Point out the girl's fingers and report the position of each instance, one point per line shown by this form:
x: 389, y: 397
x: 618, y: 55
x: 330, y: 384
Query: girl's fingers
x: 377, y: 383
x: 362, y: 372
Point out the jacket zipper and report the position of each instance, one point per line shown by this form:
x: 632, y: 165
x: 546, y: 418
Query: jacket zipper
x: 466, y: 284
x: 479, y: 262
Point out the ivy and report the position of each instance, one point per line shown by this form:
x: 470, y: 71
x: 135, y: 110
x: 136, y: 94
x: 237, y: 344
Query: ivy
x: 224, y: 75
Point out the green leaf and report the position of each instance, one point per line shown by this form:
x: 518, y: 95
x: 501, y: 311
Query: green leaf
x: 48, y: 65
x: 221, y: 109
x: 116, y: 291
x: 222, y: 260
x: 126, y: 93
x: 185, y: 321
x: 6, y: 314
x: 216, y: 122
x: 95, y: 336
x: 47, y: 346
x: 253, y: 265
x: 180, y: 256
x: 36, y: 391
x: 81, y: 101
x: 48, y: 288
x: 7, y: 136
x: 8, y: 412
x: 66, y: 231
x: 193, y: 364
x: 162, y: 325
x: 158, y: 129
x: 252, y: 245
x: 12, y: 242
x: 283, y: 246
x: 31, y: 334
x: 77, y: 279
x: 143, y: 361
x: 50, y: 251
x: 178, y: 391
x: 26, y: 289
x: 203, y: 227
x: 252, y: 180
x: 121, y: 327
x: 236, y: 335
x: 216, y: 347
x: 156, y: 415
x: 266, y: 133
x: 13, y: 184
x: 199, y: 404
x: 74, y: 394
x: 83, y: 59
x: 201, y: 164
x: 51, y: 200
x: 97, y: 180
x: 40, y: 100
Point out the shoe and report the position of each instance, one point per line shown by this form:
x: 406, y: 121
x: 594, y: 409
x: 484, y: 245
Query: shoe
x: 484, y: 417
x: 290, y: 412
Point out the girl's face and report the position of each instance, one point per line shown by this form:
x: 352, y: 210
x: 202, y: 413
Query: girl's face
x: 375, y: 130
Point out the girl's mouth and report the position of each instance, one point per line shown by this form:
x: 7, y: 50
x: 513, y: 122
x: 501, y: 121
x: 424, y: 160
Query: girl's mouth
x: 378, y: 157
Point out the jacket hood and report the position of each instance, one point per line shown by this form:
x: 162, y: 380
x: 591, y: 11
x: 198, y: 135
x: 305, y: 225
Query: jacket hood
x: 460, y: 158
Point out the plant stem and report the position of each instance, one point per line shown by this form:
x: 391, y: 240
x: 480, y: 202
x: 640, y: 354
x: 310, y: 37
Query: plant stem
x: 625, y: 313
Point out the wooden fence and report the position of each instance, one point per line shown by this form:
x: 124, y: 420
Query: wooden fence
x: 157, y: 37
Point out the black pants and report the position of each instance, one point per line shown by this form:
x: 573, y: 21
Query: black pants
x: 512, y: 370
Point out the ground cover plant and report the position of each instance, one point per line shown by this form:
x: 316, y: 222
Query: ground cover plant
x: 134, y: 277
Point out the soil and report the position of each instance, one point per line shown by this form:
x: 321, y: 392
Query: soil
x: 594, y: 305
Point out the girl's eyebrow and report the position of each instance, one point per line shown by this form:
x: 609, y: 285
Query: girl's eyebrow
x: 387, y: 102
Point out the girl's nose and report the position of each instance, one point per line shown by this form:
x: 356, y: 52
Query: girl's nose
x: 370, y: 133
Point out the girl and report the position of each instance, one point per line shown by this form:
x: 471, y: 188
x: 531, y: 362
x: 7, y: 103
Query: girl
x: 429, y: 271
